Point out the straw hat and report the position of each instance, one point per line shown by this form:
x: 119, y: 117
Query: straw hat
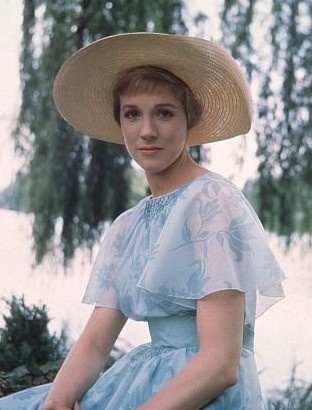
x: 83, y: 86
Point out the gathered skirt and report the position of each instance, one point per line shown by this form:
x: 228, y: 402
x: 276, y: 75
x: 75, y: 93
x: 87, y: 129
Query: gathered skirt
x: 139, y: 374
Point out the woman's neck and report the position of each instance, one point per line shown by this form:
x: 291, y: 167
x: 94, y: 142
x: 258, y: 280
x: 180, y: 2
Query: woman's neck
x: 172, y: 178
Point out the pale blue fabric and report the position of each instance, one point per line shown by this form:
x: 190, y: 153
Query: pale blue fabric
x: 155, y: 262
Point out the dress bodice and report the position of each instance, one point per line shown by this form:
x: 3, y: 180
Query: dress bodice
x: 173, y: 331
x: 160, y: 257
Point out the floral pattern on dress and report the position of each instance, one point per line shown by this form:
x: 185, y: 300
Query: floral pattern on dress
x: 155, y: 262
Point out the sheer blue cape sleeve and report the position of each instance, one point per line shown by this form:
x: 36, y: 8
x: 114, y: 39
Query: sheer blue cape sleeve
x: 213, y: 240
x: 101, y: 289
x: 209, y: 240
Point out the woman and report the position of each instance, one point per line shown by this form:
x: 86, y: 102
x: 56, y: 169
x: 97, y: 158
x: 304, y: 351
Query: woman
x: 191, y: 259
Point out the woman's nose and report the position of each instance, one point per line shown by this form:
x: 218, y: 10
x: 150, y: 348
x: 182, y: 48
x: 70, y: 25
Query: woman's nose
x: 148, y: 129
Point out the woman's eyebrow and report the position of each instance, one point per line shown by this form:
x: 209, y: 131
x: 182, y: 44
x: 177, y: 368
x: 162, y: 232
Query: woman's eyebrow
x: 160, y: 105
x: 166, y: 105
x: 126, y: 106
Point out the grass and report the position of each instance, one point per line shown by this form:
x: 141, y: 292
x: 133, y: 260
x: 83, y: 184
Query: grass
x: 296, y: 396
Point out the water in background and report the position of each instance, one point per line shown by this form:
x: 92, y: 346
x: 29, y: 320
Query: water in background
x: 283, y: 334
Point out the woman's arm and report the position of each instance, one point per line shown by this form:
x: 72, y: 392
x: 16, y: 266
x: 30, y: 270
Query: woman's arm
x: 215, y: 367
x: 86, y: 359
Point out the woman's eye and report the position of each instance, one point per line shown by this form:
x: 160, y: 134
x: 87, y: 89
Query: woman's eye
x: 164, y: 113
x: 131, y: 114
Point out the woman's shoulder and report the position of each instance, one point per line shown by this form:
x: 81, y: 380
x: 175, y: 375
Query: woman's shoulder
x: 211, y: 197
x: 128, y: 215
x: 213, y: 187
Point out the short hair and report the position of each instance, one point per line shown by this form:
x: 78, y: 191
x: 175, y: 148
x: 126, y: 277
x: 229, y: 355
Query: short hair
x: 147, y: 79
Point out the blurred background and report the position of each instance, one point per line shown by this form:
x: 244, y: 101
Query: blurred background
x: 59, y: 189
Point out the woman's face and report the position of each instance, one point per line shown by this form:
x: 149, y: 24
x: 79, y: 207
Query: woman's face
x: 154, y: 128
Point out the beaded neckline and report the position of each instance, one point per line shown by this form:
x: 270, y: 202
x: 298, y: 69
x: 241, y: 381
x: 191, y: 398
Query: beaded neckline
x: 153, y: 206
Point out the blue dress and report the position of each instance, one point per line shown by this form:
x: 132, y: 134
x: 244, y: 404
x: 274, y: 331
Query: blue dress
x: 156, y: 260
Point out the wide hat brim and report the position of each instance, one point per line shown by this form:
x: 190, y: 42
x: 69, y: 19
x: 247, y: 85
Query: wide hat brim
x: 83, y: 86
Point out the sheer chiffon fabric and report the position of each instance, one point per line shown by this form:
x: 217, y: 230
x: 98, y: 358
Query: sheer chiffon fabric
x: 156, y: 260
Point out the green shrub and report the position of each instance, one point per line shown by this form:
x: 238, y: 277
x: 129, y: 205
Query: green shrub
x: 29, y: 354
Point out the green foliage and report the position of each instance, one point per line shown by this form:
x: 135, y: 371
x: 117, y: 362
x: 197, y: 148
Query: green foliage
x: 281, y: 67
x: 297, y: 396
x: 69, y: 178
x: 284, y: 133
x: 21, y: 378
x: 29, y: 354
x: 236, y: 21
x: 12, y: 198
x: 25, y: 339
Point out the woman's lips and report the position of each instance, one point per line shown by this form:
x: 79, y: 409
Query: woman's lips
x: 150, y: 149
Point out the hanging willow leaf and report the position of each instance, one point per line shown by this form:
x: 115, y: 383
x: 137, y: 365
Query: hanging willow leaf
x: 282, y: 193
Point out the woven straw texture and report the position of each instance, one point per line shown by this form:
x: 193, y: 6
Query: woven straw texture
x: 83, y: 86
